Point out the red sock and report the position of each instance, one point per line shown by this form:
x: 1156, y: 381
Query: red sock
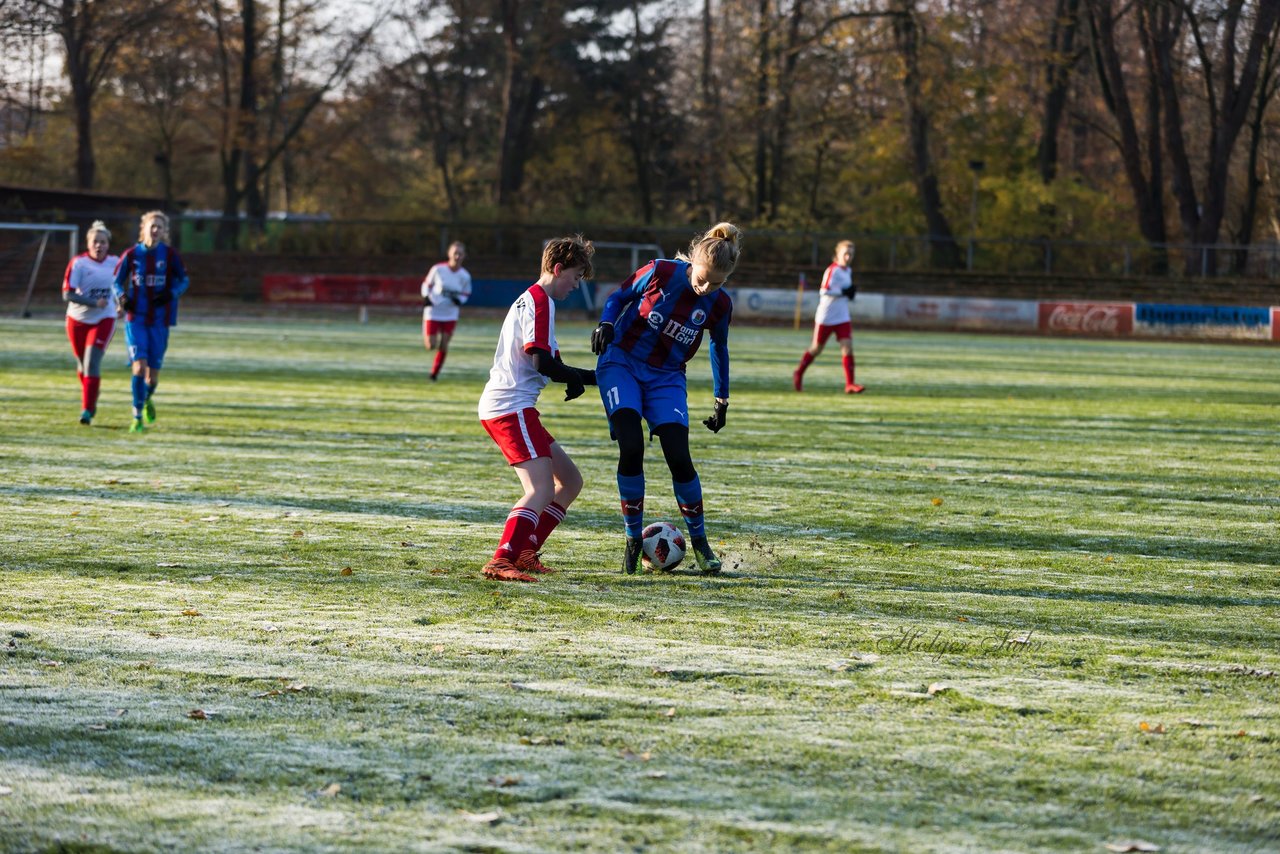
x: 435, y: 368
x: 521, y: 523
x: 91, y: 385
x: 805, y: 361
x: 552, y: 516
x: 848, y: 369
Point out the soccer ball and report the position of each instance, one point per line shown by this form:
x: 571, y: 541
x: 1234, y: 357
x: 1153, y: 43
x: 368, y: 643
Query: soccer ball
x: 663, y: 546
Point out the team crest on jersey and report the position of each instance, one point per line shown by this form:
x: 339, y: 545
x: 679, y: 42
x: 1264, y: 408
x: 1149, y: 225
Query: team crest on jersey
x: 656, y: 319
x: 698, y: 316
x: 160, y: 265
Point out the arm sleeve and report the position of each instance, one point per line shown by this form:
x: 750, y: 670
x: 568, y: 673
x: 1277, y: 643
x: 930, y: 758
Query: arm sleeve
x: 720, y: 358
x: 71, y: 285
x: 828, y: 285
x: 628, y: 292
x: 122, y: 274
x: 552, y: 368
x: 178, y: 281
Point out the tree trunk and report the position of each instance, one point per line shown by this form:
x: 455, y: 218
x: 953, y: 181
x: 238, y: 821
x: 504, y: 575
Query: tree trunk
x: 711, y: 113
x: 779, y: 156
x: 942, y: 243
x: 522, y: 90
x: 762, y: 108
x: 1062, y: 59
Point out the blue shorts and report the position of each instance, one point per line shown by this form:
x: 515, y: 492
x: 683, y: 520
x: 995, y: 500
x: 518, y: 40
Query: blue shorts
x: 659, y: 395
x: 147, y: 341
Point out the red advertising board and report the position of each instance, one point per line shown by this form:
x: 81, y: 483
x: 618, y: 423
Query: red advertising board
x: 1086, y: 318
x: 1275, y: 323
x: 348, y: 289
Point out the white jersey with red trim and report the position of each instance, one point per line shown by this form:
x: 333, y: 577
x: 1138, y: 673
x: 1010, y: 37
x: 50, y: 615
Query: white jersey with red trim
x: 440, y: 284
x: 514, y: 383
x: 93, y: 280
x: 833, y: 308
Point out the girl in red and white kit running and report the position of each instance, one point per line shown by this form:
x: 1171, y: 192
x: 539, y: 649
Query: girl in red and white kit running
x: 832, y: 318
x: 91, y: 313
x: 446, y: 287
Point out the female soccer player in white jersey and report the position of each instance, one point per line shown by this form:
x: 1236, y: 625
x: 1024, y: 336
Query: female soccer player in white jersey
x: 649, y: 329
x: 91, y: 316
x: 833, y: 317
x: 526, y: 359
x: 447, y: 286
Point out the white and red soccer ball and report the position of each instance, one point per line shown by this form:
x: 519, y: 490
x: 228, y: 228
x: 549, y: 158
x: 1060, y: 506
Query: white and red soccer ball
x: 664, y: 546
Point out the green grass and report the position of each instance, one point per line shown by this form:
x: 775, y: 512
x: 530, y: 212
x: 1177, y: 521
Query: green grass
x: 1113, y: 505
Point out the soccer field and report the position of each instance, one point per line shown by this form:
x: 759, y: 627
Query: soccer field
x: 1021, y: 595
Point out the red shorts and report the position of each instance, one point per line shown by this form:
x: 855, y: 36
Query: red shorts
x: 520, y: 436
x: 431, y: 327
x: 86, y: 335
x: 840, y: 330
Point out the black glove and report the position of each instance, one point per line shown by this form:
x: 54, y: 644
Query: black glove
x: 454, y: 299
x: 716, y: 421
x: 602, y: 337
x: 850, y: 292
x: 164, y: 297
x: 573, y: 389
x: 587, y: 377
x: 126, y: 302
x: 426, y: 302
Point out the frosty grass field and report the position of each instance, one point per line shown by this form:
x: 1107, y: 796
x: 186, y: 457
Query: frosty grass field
x: 1021, y: 595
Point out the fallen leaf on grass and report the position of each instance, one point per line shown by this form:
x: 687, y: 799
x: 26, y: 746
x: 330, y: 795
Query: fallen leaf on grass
x: 438, y: 648
x: 346, y: 570
x: 670, y: 713
x: 504, y: 781
x: 98, y: 727
x: 297, y: 687
x: 629, y: 754
x: 208, y: 518
x: 1158, y: 729
x: 1241, y: 734
x: 937, y: 502
x: 49, y: 662
x: 265, y: 694
x: 191, y: 612
x: 155, y: 634
x: 536, y: 739
x: 168, y: 565
x: 270, y: 627
x: 654, y: 775
x: 962, y: 619
x: 120, y: 713
x: 330, y: 791
x: 1132, y: 845
x: 436, y: 570
x: 200, y: 715
x: 1192, y: 722
x: 298, y: 534
x: 5, y: 790
x: 1254, y: 799
x: 938, y: 688
x: 492, y: 817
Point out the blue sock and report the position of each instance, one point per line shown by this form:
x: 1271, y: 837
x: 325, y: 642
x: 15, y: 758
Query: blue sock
x: 151, y: 389
x: 139, y: 395
x: 631, y: 491
x: 689, y: 496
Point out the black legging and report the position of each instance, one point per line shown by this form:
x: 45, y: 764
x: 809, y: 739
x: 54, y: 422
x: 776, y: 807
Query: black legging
x: 630, y: 437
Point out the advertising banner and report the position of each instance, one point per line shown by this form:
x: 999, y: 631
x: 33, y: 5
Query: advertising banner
x: 1202, y: 321
x: 1275, y: 323
x: 780, y: 304
x: 1086, y: 318
x: 963, y: 313
x: 341, y: 289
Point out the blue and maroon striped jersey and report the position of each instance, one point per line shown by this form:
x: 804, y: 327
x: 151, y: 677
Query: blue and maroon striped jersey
x: 143, y: 273
x: 659, y: 320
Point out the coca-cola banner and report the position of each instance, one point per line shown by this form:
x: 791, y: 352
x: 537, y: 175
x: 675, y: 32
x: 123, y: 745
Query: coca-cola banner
x: 1086, y: 318
x: 1162, y: 320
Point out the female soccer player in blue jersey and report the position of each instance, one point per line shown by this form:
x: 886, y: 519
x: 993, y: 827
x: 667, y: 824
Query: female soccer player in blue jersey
x: 649, y: 329
x: 148, y: 282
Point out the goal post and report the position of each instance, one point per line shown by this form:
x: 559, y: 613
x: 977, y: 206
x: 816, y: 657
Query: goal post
x: 28, y: 253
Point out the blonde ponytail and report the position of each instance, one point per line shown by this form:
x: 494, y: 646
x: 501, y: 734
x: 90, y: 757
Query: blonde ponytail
x: 718, y: 248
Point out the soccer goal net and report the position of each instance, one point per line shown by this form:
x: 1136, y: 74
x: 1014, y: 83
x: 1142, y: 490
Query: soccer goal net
x: 33, y: 257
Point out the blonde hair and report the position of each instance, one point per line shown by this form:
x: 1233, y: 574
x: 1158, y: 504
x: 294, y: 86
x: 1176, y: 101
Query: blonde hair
x: 98, y: 227
x: 460, y: 245
x: 574, y: 251
x: 147, y: 218
x: 841, y: 245
x: 718, y: 248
